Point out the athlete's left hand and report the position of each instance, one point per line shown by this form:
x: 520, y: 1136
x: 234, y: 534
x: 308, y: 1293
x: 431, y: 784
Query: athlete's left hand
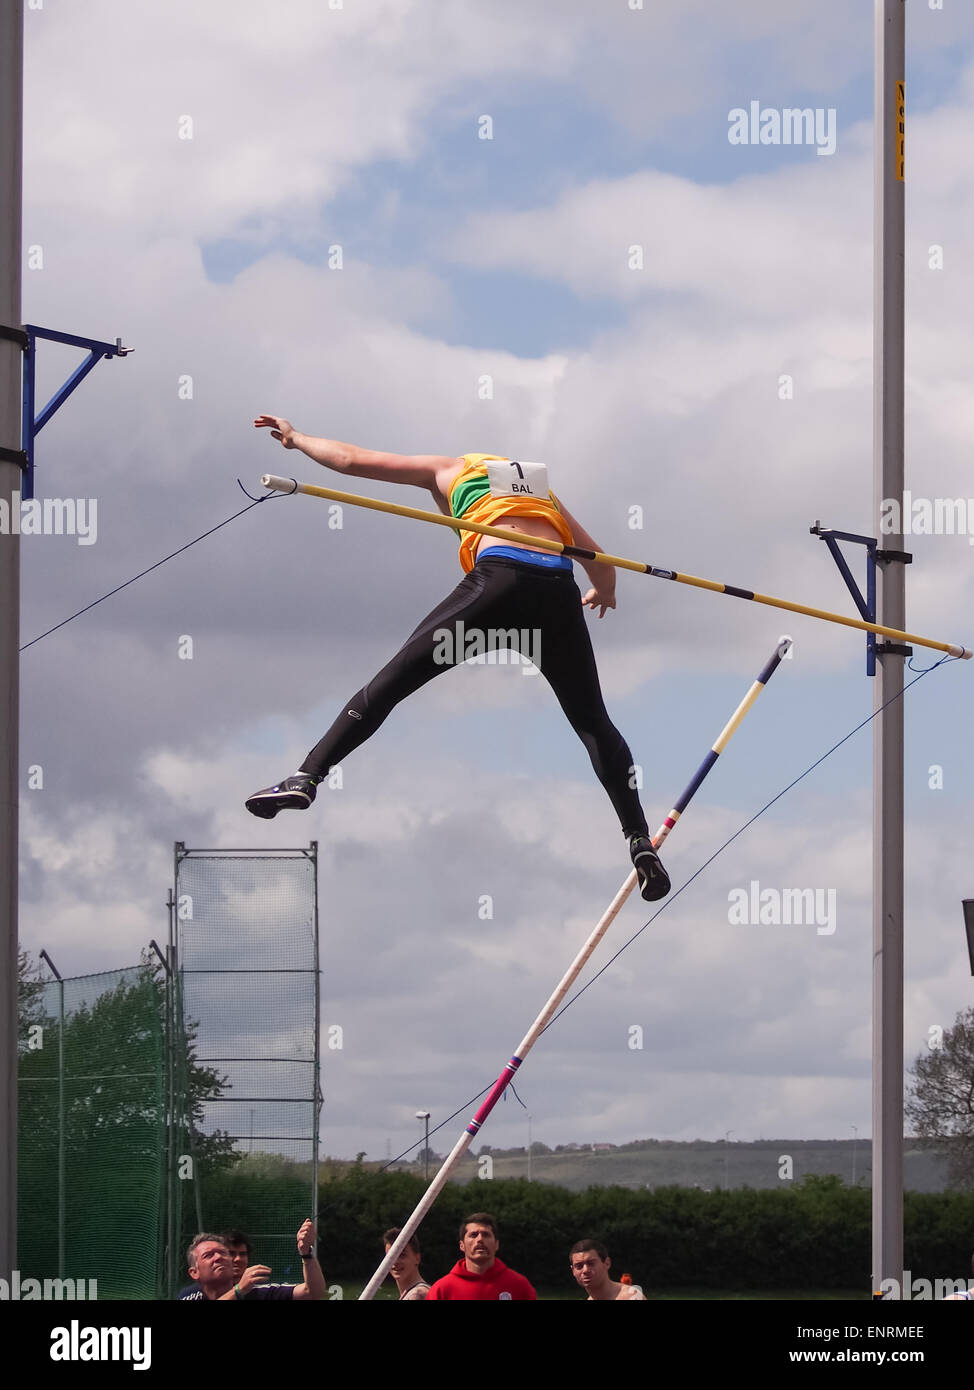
x: 594, y: 599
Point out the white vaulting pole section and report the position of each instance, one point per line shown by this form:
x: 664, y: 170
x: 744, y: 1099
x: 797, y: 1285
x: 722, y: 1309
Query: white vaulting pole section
x: 565, y: 984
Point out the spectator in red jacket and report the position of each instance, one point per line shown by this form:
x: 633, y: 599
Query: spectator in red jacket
x: 480, y: 1274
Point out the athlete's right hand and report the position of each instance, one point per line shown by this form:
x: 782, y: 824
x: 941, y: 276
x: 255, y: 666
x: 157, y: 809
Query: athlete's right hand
x: 596, y: 598
x: 280, y: 429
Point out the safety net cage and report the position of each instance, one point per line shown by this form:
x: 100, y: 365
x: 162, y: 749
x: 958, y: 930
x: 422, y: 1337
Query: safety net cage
x: 92, y: 1134
x: 246, y: 947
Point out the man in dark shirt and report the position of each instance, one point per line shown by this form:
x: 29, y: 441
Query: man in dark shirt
x: 211, y: 1269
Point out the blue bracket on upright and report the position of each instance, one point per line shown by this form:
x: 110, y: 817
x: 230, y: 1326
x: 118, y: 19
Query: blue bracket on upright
x: 867, y: 605
x: 31, y: 424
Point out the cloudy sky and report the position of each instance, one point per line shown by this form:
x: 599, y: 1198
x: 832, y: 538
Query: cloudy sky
x: 292, y: 208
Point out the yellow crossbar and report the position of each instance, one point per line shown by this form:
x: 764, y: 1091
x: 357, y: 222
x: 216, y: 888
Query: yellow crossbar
x: 269, y: 480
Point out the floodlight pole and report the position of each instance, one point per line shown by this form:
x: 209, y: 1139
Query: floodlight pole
x: 888, y: 480
x: 11, y: 197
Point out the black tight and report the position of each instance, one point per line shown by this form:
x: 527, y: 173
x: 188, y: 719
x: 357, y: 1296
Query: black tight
x: 501, y: 594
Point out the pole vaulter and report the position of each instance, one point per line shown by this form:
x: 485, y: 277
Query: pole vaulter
x: 568, y: 979
x: 576, y: 552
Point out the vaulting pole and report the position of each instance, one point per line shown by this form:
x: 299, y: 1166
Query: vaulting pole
x: 567, y: 980
x: 576, y: 552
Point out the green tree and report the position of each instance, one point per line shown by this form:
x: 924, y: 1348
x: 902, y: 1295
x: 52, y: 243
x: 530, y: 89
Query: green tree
x: 113, y: 1065
x: 940, y: 1104
x: 93, y: 1119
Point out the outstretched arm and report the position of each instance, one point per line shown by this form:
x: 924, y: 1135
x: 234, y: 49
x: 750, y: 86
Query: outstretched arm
x: 418, y: 469
x: 602, y: 595
x: 314, y: 1280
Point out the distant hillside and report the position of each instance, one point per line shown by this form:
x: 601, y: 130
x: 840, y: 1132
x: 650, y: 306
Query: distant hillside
x: 704, y: 1164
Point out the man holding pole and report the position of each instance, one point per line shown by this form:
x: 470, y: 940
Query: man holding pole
x: 412, y: 1287
x: 211, y: 1269
x: 507, y: 589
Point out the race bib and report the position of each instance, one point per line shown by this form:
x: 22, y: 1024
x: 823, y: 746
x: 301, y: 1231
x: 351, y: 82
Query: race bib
x: 514, y: 478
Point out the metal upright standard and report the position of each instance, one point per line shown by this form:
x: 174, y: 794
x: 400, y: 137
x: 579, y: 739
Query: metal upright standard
x: 888, y: 251
x: 18, y: 426
x: 11, y: 122
x: 32, y: 423
x: 866, y: 603
x: 31, y: 420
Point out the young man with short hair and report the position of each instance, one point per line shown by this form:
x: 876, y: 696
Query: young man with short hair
x: 412, y: 1287
x: 240, y: 1249
x: 480, y: 1275
x: 590, y: 1264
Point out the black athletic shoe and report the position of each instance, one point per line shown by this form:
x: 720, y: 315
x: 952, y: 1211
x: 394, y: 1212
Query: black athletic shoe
x: 293, y: 794
x: 654, y: 881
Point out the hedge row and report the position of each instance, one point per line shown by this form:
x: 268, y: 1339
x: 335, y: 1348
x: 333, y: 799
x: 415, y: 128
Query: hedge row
x: 814, y: 1235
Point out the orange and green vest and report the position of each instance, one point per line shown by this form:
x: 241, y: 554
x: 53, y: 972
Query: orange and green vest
x: 470, y: 497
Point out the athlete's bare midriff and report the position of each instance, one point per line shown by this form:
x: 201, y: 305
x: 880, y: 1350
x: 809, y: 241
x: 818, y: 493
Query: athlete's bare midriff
x: 527, y: 525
